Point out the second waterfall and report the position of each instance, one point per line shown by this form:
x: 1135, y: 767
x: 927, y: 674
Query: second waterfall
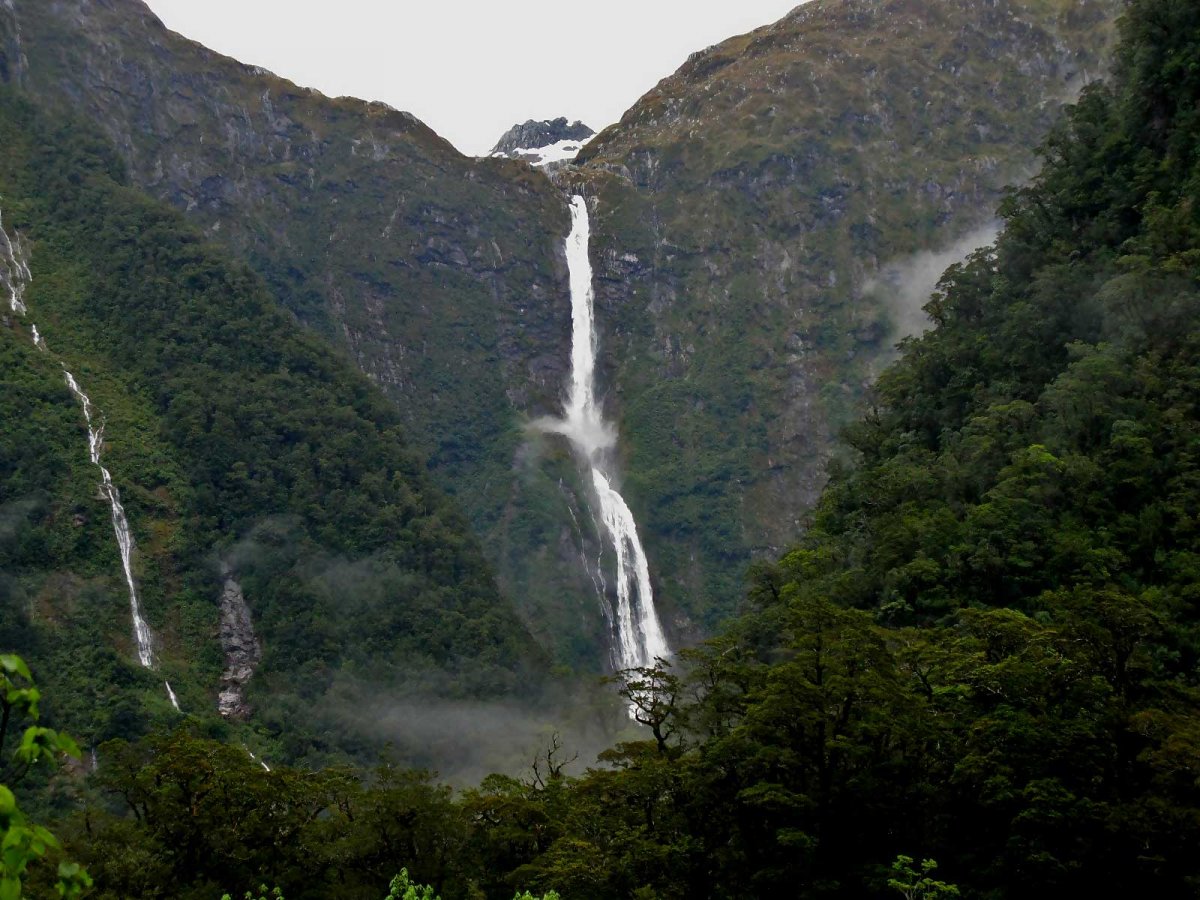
x: 638, y: 636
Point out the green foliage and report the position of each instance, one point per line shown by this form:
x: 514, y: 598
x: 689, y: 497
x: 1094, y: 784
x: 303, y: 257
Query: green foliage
x: 403, y: 889
x: 435, y: 273
x: 22, y: 842
x: 913, y: 885
x: 234, y: 436
x: 986, y: 644
x: 743, y: 206
x: 985, y: 647
x: 273, y: 894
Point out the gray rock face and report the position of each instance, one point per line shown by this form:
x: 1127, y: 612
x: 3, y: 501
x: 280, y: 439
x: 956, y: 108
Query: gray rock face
x: 533, y: 134
x: 241, y: 649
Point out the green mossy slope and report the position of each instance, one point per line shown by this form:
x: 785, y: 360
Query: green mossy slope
x: 234, y: 436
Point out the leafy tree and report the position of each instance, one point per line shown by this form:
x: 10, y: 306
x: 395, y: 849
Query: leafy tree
x: 914, y: 885
x: 403, y: 889
x: 264, y: 894
x: 652, y: 693
x: 22, y: 842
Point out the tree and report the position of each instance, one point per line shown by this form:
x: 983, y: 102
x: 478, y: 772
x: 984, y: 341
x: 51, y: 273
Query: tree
x: 22, y: 842
x: 916, y: 885
x: 653, y: 694
x: 403, y: 889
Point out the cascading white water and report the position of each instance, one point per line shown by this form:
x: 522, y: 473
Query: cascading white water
x: 14, y: 270
x: 141, y: 631
x: 266, y: 768
x: 639, y: 636
x: 16, y: 276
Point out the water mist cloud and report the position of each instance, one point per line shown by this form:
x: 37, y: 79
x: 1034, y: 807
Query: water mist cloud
x: 906, y: 283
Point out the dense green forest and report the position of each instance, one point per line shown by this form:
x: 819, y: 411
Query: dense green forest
x: 983, y: 651
x: 236, y: 439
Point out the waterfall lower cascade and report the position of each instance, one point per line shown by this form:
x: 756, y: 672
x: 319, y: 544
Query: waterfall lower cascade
x: 639, y: 638
x: 16, y: 277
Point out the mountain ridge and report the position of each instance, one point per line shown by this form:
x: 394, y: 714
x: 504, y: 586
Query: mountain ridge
x: 744, y: 210
x: 732, y: 252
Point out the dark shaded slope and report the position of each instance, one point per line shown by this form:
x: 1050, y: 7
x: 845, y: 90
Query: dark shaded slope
x: 234, y: 436
x: 745, y: 211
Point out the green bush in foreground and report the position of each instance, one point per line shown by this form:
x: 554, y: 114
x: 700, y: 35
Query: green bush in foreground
x: 401, y: 888
x: 22, y: 842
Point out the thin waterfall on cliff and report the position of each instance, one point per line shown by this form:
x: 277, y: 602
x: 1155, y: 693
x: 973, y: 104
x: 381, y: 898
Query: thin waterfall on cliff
x: 16, y: 277
x: 14, y: 270
x: 638, y: 636
x: 141, y: 631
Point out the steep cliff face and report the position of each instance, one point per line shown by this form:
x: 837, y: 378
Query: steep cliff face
x: 369, y: 227
x: 534, y: 134
x: 441, y: 276
x: 240, y: 646
x: 747, y: 210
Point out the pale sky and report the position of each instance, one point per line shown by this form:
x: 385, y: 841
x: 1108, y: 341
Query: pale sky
x: 472, y: 68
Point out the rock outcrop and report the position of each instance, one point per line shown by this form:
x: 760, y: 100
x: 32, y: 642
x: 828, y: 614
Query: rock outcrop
x: 533, y: 135
x: 240, y: 646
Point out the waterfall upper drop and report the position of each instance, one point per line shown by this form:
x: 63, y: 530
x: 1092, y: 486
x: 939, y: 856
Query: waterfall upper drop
x: 638, y: 635
x: 14, y: 270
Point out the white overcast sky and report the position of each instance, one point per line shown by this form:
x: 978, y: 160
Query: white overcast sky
x: 472, y: 68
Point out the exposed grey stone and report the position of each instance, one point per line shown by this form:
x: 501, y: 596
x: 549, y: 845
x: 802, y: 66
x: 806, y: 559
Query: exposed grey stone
x: 541, y: 134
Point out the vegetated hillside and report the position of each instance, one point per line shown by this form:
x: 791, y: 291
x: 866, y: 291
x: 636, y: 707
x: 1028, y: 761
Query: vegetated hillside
x: 743, y: 209
x: 1024, y: 494
x: 747, y: 210
x: 442, y: 277
x: 978, y: 670
x: 985, y: 650
x: 237, y: 439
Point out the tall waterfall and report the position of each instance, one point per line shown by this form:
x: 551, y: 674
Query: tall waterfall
x: 638, y: 634
x: 141, y: 631
x: 16, y: 277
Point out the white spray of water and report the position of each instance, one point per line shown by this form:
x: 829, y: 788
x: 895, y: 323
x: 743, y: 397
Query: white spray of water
x: 639, y: 636
x: 14, y: 270
x: 141, y: 631
x: 266, y: 768
x: 171, y: 696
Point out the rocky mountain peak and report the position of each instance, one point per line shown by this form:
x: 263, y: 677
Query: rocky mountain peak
x: 544, y: 141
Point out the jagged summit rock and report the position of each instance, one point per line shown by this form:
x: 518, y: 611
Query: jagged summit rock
x: 545, y: 141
